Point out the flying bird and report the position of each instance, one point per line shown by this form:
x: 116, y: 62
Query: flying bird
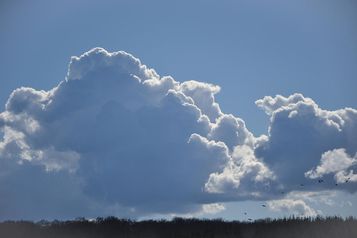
x: 264, y: 205
x: 320, y: 180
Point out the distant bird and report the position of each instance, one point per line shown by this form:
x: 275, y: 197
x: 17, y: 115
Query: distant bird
x: 249, y: 219
x: 282, y: 192
x: 302, y: 185
x: 320, y: 180
x: 336, y: 184
x: 347, y: 180
x: 264, y: 205
x: 245, y: 213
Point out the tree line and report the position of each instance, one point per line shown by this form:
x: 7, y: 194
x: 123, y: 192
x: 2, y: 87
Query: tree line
x: 327, y: 227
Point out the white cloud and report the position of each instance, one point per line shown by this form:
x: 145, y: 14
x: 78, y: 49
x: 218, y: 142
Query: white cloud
x: 212, y: 208
x: 337, y: 162
x: 272, y: 104
x: 292, y: 207
x: 232, y: 131
x: 203, y: 96
x: 326, y: 197
x: 245, y: 176
x: 346, y: 177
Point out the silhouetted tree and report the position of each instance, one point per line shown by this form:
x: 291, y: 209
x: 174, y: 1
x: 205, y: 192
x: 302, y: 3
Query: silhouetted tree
x: 329, y: 227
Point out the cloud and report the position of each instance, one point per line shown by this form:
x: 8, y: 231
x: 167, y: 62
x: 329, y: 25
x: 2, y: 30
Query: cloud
x: 203, y: 96
x: 116, y: 138
x: 299, y: 133
x: 327, y: 197
x: 232, y: 131
x: 244, y: 177
x: 132, y: 142
x: 292, y: 207
x: 337, y: 162
x: 213, y: 208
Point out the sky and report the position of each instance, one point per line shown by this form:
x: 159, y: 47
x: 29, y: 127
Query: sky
x: 151, y: 109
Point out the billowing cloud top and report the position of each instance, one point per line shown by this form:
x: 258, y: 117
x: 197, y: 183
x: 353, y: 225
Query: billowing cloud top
x: 115, y: 138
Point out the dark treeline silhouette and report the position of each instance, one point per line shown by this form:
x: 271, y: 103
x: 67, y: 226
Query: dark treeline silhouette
x: 113, y: 227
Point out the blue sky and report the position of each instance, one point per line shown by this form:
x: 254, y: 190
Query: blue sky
x: 251, y: 49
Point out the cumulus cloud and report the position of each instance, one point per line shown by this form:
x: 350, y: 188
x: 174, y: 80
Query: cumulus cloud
x: 116, y: 138
x: 299, y: 133
x: 203, y: 96
x: 232, y: 131
x: 337, y: 162
x: 244, y: 176
x: 135, y: 142
x: 294, y: 207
